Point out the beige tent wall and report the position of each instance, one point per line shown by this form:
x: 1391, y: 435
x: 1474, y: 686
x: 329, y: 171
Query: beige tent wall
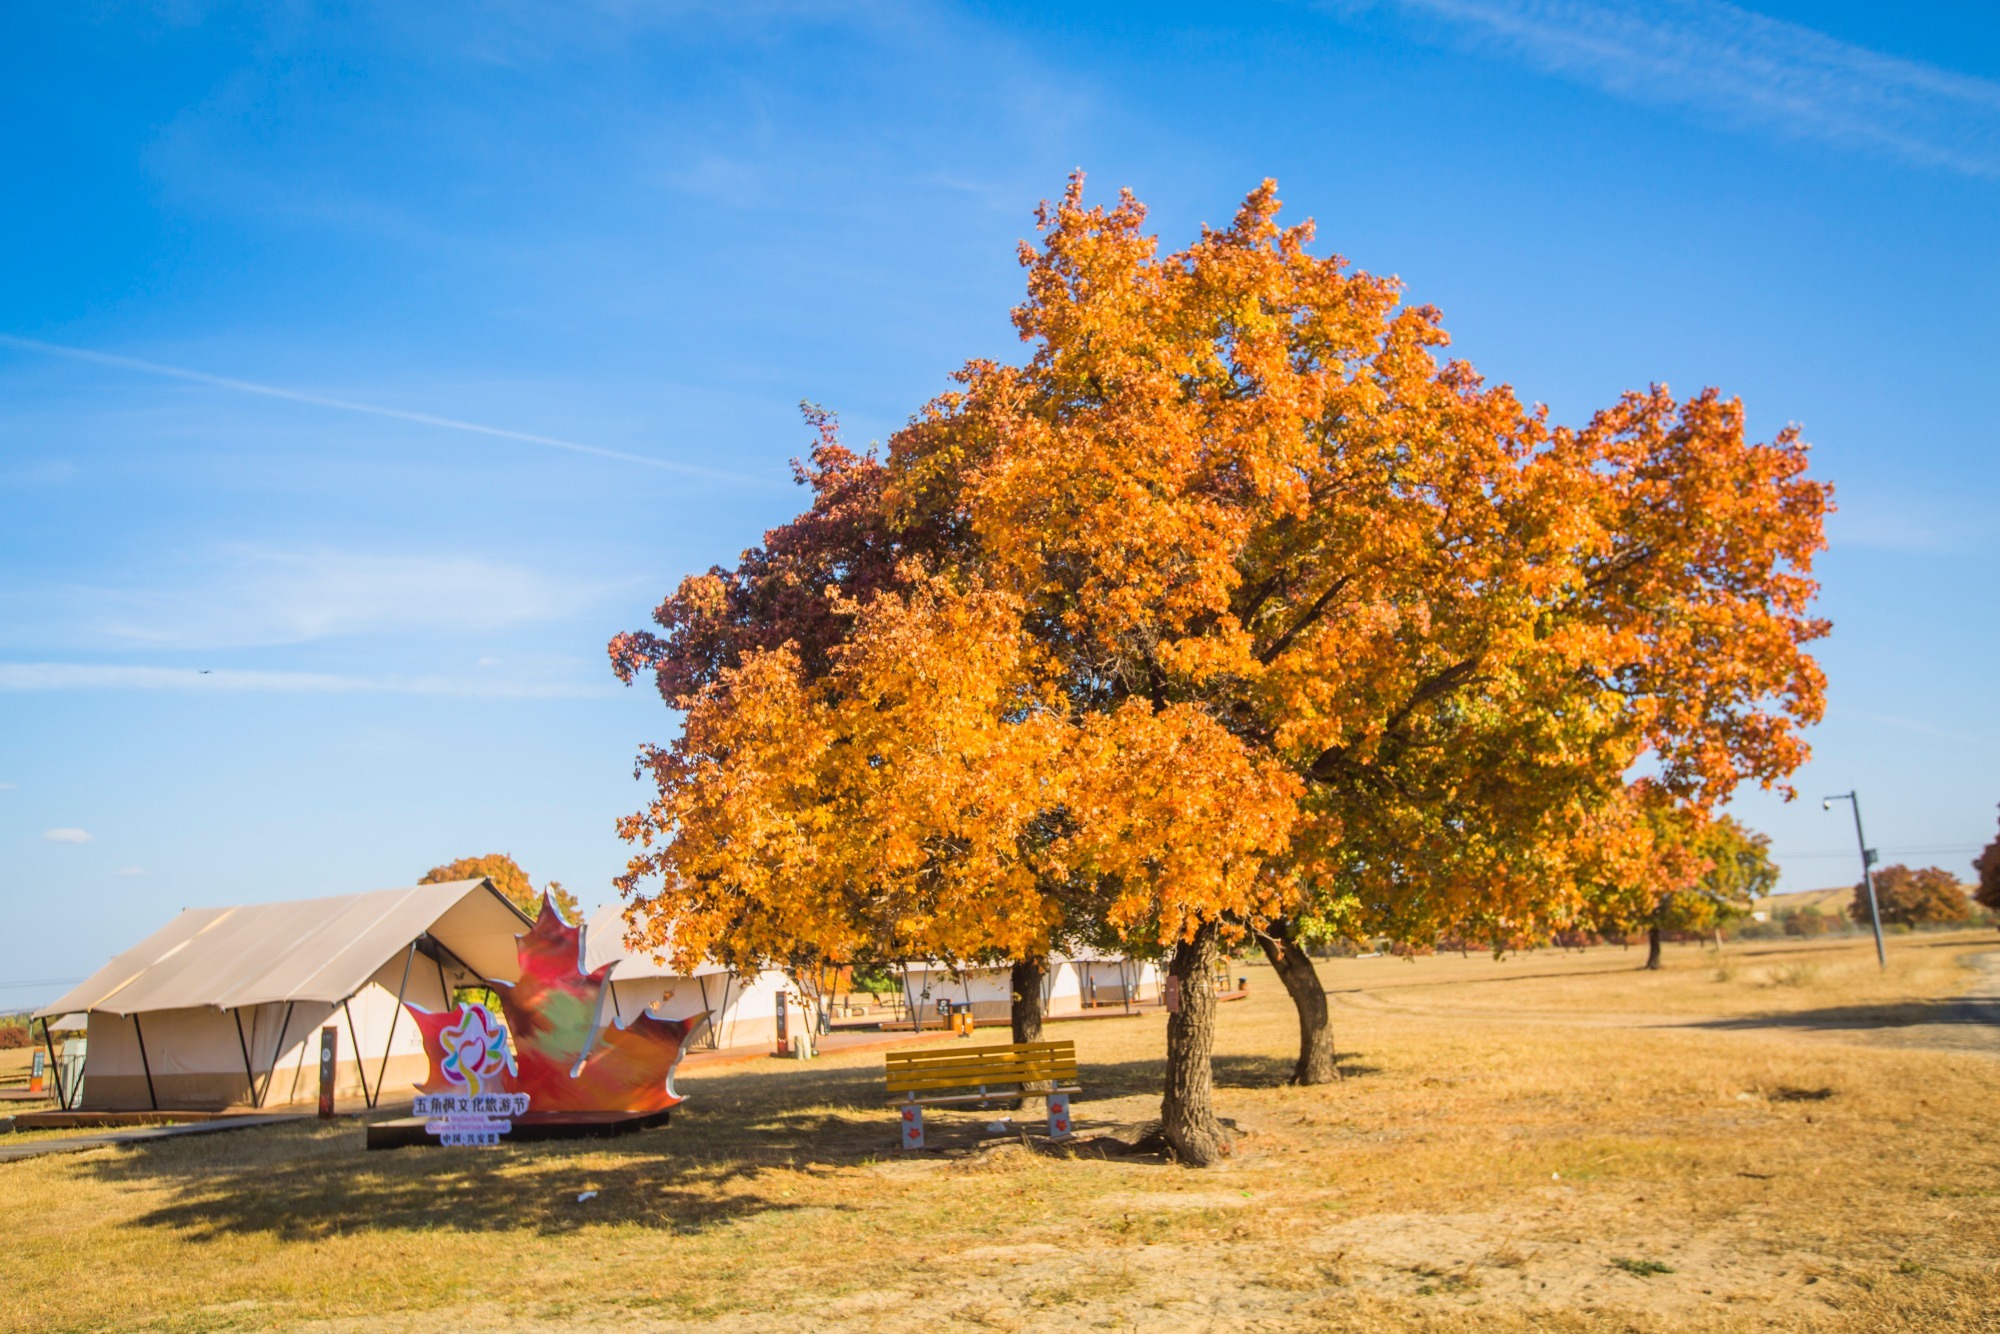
x: 197, y: 1060
x: 1107, y: 981
x: 990, y: 991
x: 1062, y: 989
x: 741, y: 1014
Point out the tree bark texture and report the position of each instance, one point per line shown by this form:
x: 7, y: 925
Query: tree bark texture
x: 1653, y: 947
x: 1295, y: 969
x: 1029, y: 978
x: 1187, y: 1112
x: 1027, y: 1014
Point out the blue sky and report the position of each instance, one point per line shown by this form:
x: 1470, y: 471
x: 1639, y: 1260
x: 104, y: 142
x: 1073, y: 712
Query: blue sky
x: 266, y: 269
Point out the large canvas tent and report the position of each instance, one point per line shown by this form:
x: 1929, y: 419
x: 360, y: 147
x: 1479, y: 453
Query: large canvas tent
x: 223, y: 1007
x: 1072, y: 983
x: 740, y: 1012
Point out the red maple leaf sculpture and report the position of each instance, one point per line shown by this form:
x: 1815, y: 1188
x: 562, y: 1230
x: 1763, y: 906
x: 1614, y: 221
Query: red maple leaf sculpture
x: 565, y: 1059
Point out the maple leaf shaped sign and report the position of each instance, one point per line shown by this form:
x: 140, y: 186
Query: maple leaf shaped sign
x: 563, y: 1060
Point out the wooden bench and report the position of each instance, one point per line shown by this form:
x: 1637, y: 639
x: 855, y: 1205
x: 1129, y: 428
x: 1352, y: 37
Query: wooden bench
x: 934, y: 1076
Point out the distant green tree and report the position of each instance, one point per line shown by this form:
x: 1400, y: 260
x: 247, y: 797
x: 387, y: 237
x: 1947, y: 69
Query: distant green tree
x: 507, y: 877
x: 1914, y: 898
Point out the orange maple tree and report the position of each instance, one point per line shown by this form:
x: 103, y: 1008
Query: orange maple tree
x: 507, y: 877
x: 1376, y: 641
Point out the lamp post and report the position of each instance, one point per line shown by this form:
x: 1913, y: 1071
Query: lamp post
x: 1867, y: 869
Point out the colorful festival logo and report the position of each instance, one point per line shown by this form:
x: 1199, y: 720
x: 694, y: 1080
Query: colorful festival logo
x: 475, y: 1049
x: 555, y: 1051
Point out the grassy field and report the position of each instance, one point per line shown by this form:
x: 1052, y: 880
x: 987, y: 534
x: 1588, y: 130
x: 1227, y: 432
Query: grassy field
x: 1778, y: 1137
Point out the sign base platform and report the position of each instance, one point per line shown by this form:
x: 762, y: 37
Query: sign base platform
x: 408, y: 1131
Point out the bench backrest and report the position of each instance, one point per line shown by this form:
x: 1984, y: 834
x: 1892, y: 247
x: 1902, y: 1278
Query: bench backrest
x: 929, y: 1069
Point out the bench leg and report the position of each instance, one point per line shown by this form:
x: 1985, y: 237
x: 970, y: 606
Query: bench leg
x: 913, y: 1127
x: 1059, y: 1116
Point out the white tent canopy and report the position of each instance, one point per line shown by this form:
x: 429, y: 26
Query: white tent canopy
x: 219, y: 1006
x: 304, y: 950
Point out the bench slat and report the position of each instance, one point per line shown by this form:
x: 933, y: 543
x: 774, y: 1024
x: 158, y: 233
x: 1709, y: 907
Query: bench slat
x: 927, y: 1057
x: 1011, y: 1077
x: 981, y: 1097
x: 931, y: 1069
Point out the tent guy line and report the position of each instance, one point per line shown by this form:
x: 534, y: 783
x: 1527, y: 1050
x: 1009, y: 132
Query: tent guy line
x: 374, y: 410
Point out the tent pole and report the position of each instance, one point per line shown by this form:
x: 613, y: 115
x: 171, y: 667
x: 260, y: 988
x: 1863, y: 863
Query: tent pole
x: 706, y: 1010
x: 360, y: 1069
x: 461, y: 964
x: 243, y: 1043
x: 277, y: 1051
x: 390, y: 1041
x: 715, y: 1038
x: 444, y: 987
x: 55, y: 1067
x: 145, y: 1064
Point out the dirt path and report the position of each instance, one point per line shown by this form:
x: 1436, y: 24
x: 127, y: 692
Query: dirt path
x: 1969, y: 1021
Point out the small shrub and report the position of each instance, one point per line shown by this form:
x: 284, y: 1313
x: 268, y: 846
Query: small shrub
x: 1643, y: 1268
x: 1794, y: 975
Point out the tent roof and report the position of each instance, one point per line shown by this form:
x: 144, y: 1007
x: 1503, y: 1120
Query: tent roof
x: 604, y: 942
x: 303, y: 950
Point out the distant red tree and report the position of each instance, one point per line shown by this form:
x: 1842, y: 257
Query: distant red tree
x: 1988, y: 868
x: 1914, y: 898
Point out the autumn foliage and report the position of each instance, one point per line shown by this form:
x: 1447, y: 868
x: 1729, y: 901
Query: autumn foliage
x: 1987, y: 868
x: 1914, y: 898
x: 1237, y: 606
x: 507, y: 877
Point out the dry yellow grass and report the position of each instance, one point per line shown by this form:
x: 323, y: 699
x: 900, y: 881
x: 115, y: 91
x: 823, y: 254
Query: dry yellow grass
x: 1549, y: 1142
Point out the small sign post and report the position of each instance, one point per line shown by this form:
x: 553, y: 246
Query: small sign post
x: 784, y: 1025
x: 37, y: 1072
x: 329, y: 1063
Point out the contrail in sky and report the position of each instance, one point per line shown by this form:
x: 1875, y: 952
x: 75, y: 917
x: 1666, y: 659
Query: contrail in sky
x: 370, y: 409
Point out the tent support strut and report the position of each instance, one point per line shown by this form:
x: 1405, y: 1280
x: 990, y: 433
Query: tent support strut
x: 244, y: 1044
x: 284, y: 1027
x: 55, y: 1067
x: 145, y: 1064
x: 360, y: 1066
x: 389, y: 1043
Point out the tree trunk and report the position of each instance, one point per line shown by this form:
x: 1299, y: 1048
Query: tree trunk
x: 1295, y: 969
x: 1027, y: 1016
x: 1029, y: 975
x: 1187, y: 1112
x: 1653, y: 948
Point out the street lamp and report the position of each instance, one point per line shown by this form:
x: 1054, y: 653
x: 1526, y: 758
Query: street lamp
x: 1867, y: 873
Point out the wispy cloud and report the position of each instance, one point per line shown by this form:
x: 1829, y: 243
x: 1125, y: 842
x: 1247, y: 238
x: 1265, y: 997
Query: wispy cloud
x: 130, y: 870
x: 1743, y: 68
x: 65, y: 836
x: 242, y: 596
x: 375, y: 410
x: 31, y: 677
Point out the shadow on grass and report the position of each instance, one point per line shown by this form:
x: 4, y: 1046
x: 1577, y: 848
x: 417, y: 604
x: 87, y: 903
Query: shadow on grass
x: 1268, y: 1072
x: 730, y: 1153
x: 1975, y: 1012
